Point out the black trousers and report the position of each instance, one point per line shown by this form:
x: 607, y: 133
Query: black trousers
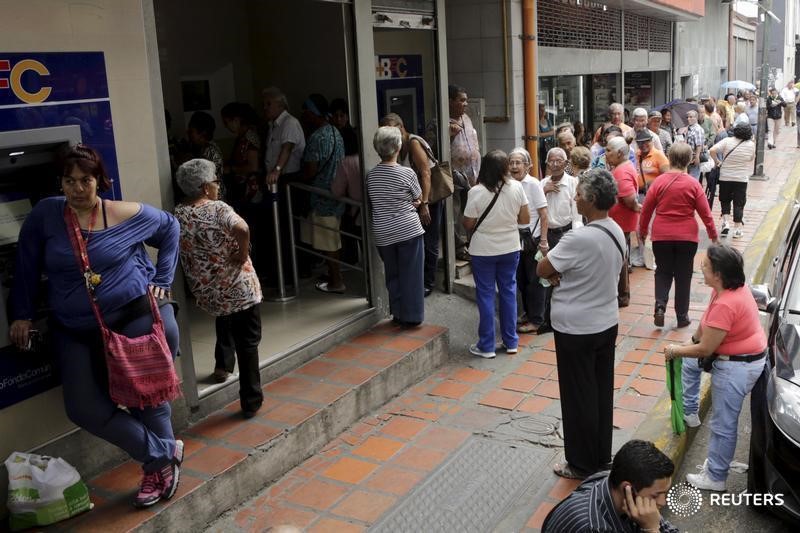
x: 586, y: 383
x: 736, y: 191
x: 674, y: 260
x: 431, y: 239
x: 533, y: 294
x: 239, y: 334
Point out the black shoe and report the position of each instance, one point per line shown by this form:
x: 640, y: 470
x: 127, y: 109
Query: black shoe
x: 684, y: 321
x: 250, y: 412
x: 658, y: 317
x: 544, y: 328
x: 428, y: 292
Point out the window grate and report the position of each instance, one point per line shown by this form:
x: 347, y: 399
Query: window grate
x: 567, y: 25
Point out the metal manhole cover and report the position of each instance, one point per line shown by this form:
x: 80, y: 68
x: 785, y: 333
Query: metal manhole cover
x: 472, y: 491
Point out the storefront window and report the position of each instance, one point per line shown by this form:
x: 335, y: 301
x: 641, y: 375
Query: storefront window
x: 562, y: 97
x: 603, y: 94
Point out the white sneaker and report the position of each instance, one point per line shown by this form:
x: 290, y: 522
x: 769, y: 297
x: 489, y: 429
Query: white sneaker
x: 692, y: 420
x: 725, y: 229
x: 703, y: 482
x: 737, y: 234
x: 504, y: 348
x: 473, y: 349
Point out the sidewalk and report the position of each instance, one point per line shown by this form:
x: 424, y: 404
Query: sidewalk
x: 415, y: 462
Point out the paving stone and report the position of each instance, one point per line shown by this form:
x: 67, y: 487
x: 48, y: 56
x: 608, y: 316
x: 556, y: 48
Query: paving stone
x: 403, y: 427
x: 533, y: 369
x: 364, y: 506
x: 393, y: 479
x: 419, y: 458
x: 290, y: 413
x: 471, y: 375
x: 519, y: 383
x: 442, y: 438
x: 502, y: 399
x: 349, y: 470
x: 330, y: 525
x: 214, y: 460
x: 451, y: 389
x: 536, y: 404
x: 378, y: 448
x: 470, y: 493
x: 317, y: 494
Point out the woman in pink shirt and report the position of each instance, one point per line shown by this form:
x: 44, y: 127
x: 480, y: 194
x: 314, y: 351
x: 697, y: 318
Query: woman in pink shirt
x: 673, y: 198
x: 730, y: 332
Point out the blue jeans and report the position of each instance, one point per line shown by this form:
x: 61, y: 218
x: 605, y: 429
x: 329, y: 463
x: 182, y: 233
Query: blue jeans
x: 145, y: 434
x: 690, y: 377
x: 488, y: 271
x: 694, y: 171
x: 731, y: 381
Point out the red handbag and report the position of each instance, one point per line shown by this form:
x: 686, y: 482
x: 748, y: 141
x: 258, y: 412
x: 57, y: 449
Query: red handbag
x: 140, y: 369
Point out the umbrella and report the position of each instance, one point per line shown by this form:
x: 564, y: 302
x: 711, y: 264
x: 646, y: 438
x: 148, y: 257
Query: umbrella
x: 679, y: 109
x: 738, y: 85
x: 675, y: 386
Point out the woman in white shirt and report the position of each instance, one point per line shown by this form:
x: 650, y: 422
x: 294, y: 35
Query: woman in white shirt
x: 495, y: 207
x: 531, y: 241
x: 734, y: 156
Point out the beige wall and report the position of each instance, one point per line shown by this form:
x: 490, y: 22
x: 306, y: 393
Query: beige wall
x: 117, y: 28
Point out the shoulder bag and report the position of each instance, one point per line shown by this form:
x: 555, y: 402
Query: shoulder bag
x: 623, y: 287
x: 441, y: 176
x: 140, y: 369
x: 486, y: 211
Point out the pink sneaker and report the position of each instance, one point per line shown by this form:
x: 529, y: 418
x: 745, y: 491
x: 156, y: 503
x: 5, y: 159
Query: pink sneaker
x: 170, y: 474
x: 149, y: 491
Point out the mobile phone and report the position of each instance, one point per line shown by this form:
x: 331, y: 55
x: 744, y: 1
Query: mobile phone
x: 34, y: 340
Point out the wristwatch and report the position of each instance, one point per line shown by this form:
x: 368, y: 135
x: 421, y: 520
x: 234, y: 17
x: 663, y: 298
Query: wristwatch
x: 278, y: 168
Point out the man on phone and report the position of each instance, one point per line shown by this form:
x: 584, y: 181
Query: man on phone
x: 628, y: 498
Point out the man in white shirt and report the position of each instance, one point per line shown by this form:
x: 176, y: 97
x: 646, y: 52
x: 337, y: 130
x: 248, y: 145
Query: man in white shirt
x: 789, y: 95
x: 285, y: 140
x: 640, y: 124
x: 559, y: 189
x: 282, y: 161
x: 562, y: 212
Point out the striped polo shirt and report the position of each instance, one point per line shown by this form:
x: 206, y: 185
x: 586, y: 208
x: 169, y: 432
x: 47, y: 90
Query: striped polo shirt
x: 392, y: 190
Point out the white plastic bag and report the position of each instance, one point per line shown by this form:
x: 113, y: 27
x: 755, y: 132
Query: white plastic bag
x: 649, y: 258
x: 43, y: 490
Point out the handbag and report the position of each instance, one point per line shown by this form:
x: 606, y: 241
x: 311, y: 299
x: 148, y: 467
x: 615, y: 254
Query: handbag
x: 441, y: 176
x: 140, y: 369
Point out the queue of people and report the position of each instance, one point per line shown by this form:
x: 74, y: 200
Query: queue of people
x: 562, y: 243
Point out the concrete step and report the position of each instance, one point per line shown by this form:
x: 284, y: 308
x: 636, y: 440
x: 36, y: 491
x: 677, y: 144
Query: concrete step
x: 463, y: 269
x: 465, y: 287
x: 229, y: 459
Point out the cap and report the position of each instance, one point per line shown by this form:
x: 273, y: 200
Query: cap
x: 643, y: 136
x: 654, y: 113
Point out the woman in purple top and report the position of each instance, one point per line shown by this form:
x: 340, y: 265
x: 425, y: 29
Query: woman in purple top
x: 115, y: 234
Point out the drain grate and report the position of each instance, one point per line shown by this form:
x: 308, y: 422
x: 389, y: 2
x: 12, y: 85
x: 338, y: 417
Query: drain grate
x: 472, y: 491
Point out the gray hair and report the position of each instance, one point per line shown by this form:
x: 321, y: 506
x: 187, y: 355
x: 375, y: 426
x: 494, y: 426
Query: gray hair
x: 387, y: 141
x: 690, y: 112
x: 526, y: 156
x: 619, y: 145
x: 599, y: 188
x: 557, y: 151
x: 639, y: 112
x: 192, y: 175
x: 616, y: 106
x: 275, y: 95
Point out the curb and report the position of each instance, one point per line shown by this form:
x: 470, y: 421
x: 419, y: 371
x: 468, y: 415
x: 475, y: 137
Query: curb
x: 757, y: 259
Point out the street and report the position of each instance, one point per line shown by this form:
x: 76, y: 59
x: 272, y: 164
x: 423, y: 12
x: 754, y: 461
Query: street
x: 719, y: 517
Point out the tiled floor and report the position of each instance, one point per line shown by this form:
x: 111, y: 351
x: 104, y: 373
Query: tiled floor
x: 224, y: 440
x: 283, y: 324
x: 369, y: 468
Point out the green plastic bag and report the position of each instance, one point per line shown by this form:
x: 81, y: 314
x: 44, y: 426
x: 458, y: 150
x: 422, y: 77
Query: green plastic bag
x: 43, y: 490
x: 675, y: 387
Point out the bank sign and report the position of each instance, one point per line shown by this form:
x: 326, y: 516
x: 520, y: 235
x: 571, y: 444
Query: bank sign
x: 40, y: 90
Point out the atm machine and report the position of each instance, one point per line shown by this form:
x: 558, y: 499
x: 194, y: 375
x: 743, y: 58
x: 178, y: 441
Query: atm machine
x: 27, y: 174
